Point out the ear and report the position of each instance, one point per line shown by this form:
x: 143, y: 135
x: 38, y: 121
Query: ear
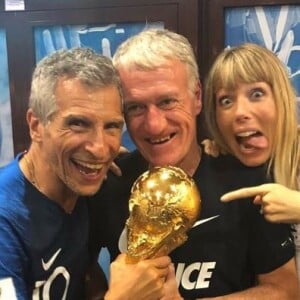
x: 198, y: 97
x: 35, y: 126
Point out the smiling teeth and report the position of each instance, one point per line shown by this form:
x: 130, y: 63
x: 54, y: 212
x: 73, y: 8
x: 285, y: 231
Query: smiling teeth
x: 160, y: 140
x: 90, y: 166
x: 246, y: 133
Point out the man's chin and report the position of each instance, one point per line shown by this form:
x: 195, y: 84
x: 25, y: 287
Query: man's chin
x: 89, y: 192
x: 162, y: 163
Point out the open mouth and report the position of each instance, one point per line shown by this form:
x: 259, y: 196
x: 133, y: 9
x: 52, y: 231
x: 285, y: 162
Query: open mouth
x: 251, y: 139
x: 87, y: 168
x: 161, y: 140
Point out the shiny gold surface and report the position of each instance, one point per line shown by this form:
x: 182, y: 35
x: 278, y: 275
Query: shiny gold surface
x: 164, y: 205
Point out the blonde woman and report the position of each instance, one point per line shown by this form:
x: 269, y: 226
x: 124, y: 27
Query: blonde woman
x: 251, y: 113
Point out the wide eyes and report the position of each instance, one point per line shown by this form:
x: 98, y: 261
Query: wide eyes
x: 256, y: 93
x: 253, y: 94
x: 225, y: 101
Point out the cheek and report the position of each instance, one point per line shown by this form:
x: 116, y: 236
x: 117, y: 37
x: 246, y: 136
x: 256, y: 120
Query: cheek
x: 270, y: 114
x: 269, y: 123
x: 224, y: 124
x: 114, y: 143
x: 133, y: 123
x: 222, y: 120
x: 52, y: 146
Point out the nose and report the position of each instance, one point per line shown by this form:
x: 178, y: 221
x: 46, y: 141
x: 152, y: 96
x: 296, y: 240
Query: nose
x: 97, y: 144
x: 155, y: 120
x: 243, y: 108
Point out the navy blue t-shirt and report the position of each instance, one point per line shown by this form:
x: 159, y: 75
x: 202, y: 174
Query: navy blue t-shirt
x: 43, y: 250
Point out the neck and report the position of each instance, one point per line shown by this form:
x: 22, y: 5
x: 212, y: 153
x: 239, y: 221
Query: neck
x: 191, y: 162
x: 28, y: 169
x: 48, y: 185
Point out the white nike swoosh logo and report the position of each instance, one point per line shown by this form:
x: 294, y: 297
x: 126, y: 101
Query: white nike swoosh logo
x: 123, y: 236
x: 48, y: 264
x: 204, y: 220
x: 123, y: 241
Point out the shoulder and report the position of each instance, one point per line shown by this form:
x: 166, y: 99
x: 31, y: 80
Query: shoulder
x: 14, y: 215
x: 229, y: 161
x: 132, y: 161
x: 12, y: 186
x: 229, y: 170
x: 132, y: 165
x: 10, y: 171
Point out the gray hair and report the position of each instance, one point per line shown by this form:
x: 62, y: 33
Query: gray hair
x: 90, y: 68
x: 152, y: 48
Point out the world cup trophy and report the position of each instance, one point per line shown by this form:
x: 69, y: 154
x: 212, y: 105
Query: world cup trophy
x: 163, y: 206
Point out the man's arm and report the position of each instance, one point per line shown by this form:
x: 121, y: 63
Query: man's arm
x: 280, y: 284
x: 13, y: 258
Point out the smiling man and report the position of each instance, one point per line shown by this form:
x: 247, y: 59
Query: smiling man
x: 75, y: 121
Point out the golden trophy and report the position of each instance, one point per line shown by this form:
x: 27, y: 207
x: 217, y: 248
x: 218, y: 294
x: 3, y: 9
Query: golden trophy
x: 163, y: 206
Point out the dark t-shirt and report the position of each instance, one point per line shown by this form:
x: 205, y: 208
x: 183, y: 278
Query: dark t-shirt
x: 43, y: 250
x: 229, y: 244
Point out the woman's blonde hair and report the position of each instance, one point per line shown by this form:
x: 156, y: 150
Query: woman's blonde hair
x: 249, y: 63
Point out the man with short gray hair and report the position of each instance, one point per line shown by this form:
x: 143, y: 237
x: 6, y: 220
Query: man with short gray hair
x: 75, y: 121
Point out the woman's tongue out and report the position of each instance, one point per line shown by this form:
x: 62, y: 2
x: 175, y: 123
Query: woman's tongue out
x: 256, y: 140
